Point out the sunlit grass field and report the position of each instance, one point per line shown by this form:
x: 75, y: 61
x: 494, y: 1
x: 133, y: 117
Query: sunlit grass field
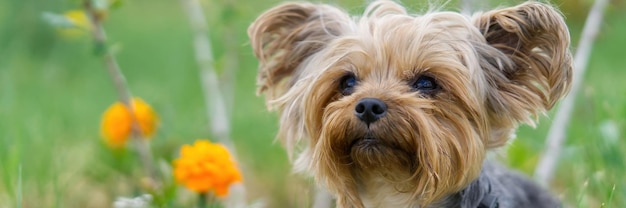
x: 53, y: 90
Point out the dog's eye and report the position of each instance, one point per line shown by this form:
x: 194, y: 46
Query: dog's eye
x: 347, y: 85
x: 425, y: 84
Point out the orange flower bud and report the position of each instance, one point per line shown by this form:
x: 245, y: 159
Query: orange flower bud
x: 116, y: 122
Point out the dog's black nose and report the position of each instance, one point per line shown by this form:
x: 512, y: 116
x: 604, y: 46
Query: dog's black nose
x: 370, y: 109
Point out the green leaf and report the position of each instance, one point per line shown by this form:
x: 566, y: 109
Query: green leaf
x: 57, y: 20
x: 99, y: 49
x: 116, y: 4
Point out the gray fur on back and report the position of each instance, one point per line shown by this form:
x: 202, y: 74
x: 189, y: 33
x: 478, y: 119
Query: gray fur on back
x: 510, y: 189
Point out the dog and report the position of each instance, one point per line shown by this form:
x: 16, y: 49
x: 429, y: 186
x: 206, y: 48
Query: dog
x: 390, y: 109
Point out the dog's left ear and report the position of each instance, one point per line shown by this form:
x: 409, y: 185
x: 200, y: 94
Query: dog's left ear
x: 531, y: 68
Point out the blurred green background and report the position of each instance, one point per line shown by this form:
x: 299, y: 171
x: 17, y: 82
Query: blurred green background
x: 53, y: 90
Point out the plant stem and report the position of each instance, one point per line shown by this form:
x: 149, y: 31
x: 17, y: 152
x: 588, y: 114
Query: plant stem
x: 544, y: 171
x: 214, y: 97
x: 121, y: 87
x: 322, y: 199
x: 202, y: 200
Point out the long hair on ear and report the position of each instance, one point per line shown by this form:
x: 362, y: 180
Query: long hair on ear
x: 284, y: 39
x: 527, y: 63
x: 284, y: 36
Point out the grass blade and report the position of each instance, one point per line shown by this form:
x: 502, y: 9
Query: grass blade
x: 19, y: 186
x: 608, y: 202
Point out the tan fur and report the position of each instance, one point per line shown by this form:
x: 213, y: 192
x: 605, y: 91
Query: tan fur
x: 495, y: 69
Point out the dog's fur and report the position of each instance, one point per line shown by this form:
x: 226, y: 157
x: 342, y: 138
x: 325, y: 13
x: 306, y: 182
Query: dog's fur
x: 452, y: 87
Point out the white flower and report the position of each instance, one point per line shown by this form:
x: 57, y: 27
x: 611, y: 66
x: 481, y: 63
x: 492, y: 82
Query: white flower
x: 610, y: 131
x: 142, y: 201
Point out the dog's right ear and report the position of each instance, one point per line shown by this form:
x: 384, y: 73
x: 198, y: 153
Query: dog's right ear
x: 285, y: 36
x: 531, y: 68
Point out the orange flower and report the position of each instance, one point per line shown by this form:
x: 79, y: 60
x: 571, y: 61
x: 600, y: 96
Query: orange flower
x: 116, y: 122
x: 206, y: 166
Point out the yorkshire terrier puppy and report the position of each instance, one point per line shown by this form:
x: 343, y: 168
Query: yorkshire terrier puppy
x: 396, y: 110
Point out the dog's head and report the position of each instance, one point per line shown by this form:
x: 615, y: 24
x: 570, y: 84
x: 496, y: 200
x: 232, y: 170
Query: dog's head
x: 416, y: 100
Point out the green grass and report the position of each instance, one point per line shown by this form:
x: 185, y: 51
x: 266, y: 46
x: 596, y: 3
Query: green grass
x: 53, y: 91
